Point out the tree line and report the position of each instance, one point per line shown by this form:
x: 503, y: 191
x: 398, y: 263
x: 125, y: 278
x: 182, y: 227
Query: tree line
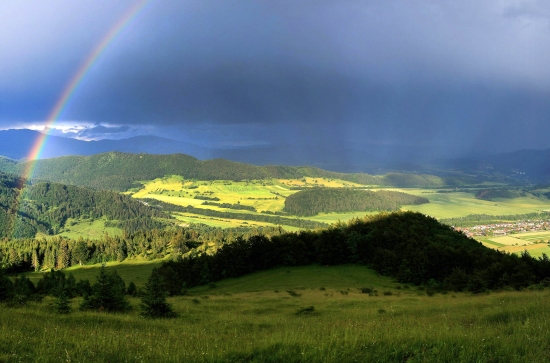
x: 121, y: 171
x: 29, y: 254
x: 107, y: 294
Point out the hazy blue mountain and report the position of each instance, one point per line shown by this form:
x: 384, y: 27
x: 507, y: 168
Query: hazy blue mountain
x: 533, y: 165
x: 529, y: 165
x: 16, y: 144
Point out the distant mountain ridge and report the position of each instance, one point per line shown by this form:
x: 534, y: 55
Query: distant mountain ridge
x: 121, y: 171
x: 16, y: 144
x: 521, y: 165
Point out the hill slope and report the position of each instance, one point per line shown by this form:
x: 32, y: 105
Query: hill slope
x: 45, y: 207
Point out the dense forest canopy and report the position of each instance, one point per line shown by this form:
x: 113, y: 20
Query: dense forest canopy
x: 312, y: 201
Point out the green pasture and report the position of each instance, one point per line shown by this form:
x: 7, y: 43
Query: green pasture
x: 304, y: 314
x: 461, y: 204
x: 508, y: 240
x: 534, y: 236
x: 518, y: 243
x: 87, y: 229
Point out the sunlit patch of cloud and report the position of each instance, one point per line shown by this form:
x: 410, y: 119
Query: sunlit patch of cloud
x: 85, y: 130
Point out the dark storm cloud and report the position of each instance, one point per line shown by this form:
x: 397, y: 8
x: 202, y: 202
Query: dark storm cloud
x: 456, y: 76
x: 99, y: 131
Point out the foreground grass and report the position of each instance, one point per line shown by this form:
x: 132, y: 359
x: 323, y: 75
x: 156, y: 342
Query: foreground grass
x: 253, y: 319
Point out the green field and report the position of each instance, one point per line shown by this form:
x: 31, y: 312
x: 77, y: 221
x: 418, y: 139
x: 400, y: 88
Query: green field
x: 268, y: 195
x: 534, y: 236
x: 256, y: 319
x: 461, y: 204
x: 517, y: 243
x: 89, y: 229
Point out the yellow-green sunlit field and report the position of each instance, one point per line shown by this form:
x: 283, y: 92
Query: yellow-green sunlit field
x: 536, y: 243
x: 268, y: 195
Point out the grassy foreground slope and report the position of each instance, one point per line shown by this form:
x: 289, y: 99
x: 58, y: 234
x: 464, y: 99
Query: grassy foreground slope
x: 255, y: 319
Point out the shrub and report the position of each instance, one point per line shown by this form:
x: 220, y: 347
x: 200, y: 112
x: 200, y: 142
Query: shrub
x: 305, y: 311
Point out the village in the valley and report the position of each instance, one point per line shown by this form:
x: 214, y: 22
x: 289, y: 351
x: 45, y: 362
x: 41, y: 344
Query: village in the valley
x: 503, y: 229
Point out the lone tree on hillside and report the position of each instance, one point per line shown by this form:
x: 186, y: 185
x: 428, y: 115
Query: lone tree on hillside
x: 153, y: 302
x: 108, y: 293
x: 62, y: 303
x: 6, y: 287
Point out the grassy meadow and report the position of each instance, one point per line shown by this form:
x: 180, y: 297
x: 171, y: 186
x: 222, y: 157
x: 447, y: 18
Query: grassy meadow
x: 302, y: 314
x: 87, y: 229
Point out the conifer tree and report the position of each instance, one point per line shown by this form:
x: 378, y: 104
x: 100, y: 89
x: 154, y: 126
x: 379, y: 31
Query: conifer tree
x: 6, y: 287
x: 108, y: 293
x: 62, y: 304
x: 153, y: 302
x: 132, y: 289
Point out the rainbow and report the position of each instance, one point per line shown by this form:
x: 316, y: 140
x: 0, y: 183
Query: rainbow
x: 76, y: 80
x: 70, y: 90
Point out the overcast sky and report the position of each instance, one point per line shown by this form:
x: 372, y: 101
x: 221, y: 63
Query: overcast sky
x: 453, y: 76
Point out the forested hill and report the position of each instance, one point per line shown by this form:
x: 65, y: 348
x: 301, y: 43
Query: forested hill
x: 312, y: 201
x: 407, y: 246
x: 45, y: 207
x: 11, y: 222
x: 119, y: 171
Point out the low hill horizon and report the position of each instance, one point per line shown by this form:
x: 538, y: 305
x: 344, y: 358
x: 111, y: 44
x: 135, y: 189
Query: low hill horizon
x: 524, y: 165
